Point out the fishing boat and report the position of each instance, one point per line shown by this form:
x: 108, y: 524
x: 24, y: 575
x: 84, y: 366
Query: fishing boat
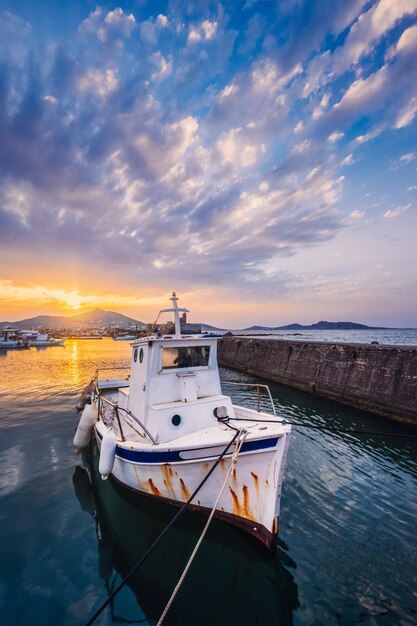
x: 125, y: 337
x: 166, y: 430
x: 11, y: 339
x: 44, y: 340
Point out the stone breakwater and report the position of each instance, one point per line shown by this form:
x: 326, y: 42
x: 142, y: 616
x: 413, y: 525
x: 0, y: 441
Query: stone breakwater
x: 377, y: 378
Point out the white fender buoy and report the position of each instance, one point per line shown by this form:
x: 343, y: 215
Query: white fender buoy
x: 107, y: 453
x: 85, y: 426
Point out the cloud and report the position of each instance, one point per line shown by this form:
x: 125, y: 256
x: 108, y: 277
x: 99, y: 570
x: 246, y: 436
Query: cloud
x: 399, y: 210
x: 71, y: 300
x: 99, y: 82
x: 114, y: 26
x: 361, y: 139
x: 257, y: 97
x: 307, y: 23
x: 162, y: 20
x: 365, y: 32
x: 368, y: 29
x: 208, y: 48
x: 387, y: 88
x: 335, y: 137
x: 14, y: 33
x: 163, y: 67
x: 205, y: 31
x: 406, y: 158
x: 144, y: 150
x: 237, y: 148
x: 407, y: 113
x: 348, y: 160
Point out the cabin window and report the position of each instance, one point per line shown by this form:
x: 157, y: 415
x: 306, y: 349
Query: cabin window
x: 190, y: 356
x: 141, y: 355
x: 135, y: 355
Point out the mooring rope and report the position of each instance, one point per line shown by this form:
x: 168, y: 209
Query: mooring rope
x: 239, y: 442
x: 347, y: 431
x: 158, y: 539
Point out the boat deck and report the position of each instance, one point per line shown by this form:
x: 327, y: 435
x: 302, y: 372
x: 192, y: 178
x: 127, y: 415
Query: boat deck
x: 132, y: 435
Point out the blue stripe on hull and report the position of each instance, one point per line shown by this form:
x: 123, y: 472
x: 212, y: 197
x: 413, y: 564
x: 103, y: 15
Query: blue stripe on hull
x: 174, y: 456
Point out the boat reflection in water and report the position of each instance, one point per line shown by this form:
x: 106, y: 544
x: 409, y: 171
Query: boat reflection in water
x: 231, y: 581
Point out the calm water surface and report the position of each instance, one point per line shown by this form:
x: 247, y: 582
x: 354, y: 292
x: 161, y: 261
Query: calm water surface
x: 348, y: 541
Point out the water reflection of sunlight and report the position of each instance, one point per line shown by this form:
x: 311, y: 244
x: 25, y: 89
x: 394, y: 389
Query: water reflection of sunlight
x: 11, y: 463
x: 75, y: 365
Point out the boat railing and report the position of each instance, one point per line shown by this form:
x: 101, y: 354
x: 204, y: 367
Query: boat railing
x: 117, y: 409
x: 111, y: 369
x: 258, y: 394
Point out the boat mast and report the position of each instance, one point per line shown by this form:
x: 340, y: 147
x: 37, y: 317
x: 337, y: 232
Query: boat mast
x: 176, y: 310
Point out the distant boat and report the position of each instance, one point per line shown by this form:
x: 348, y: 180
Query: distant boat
x: 125, y: 337
x: 167, y: 428
x: 44, y: 340
x: 11, y: 339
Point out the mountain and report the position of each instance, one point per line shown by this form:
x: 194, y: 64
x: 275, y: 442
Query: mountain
x: 259, y: 328
x: 209, y: 327
x: 322, y: 325
x: 91, y: 319
x: 103, y: 319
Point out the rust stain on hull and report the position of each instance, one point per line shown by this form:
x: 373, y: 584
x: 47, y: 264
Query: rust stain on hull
x: 255, y: 529
x: 246, y: 507
x: 236, y: 505
x: 168, y: 473
x: 256, y: 481
x: 242, y: 509
x: 185, y: 493
x: 154, y: 489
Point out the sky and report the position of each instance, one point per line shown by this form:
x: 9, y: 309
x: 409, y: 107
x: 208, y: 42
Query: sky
x: 259, y: 158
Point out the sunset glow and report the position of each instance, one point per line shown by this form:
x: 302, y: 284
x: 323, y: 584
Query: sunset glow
x: 258, y: 158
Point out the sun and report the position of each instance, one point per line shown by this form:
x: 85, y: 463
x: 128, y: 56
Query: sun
x: 73, y: 301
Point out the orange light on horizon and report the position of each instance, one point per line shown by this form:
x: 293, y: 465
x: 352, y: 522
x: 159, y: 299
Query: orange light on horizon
x: 17, y: 302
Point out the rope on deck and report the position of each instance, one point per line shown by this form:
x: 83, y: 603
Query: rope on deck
x: 239, y: 442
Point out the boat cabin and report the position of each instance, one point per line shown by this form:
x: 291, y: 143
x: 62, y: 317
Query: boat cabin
x: 174, y: 383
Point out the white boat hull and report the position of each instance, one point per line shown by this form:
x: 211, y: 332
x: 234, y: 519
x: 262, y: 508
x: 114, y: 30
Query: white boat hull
x: 13, y: 345
x: 48, y: 342
x: 252, y: 496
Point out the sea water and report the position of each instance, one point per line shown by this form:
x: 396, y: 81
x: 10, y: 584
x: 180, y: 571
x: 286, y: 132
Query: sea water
x: 347, y: 551
x: 388, y: 336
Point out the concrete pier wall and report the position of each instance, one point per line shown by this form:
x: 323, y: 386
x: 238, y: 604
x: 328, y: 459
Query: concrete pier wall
x: 377, y: 378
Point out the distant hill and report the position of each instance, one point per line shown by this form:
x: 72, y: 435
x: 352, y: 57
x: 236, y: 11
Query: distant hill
x: 99, y: 318
x: 91, y: 319
x: 209, y: 327
x: 322, y: 325
x: 260, y: 328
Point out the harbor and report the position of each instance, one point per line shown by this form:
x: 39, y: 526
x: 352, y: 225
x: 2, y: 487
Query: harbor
x: 346, y: 545
x: 208, y: 313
